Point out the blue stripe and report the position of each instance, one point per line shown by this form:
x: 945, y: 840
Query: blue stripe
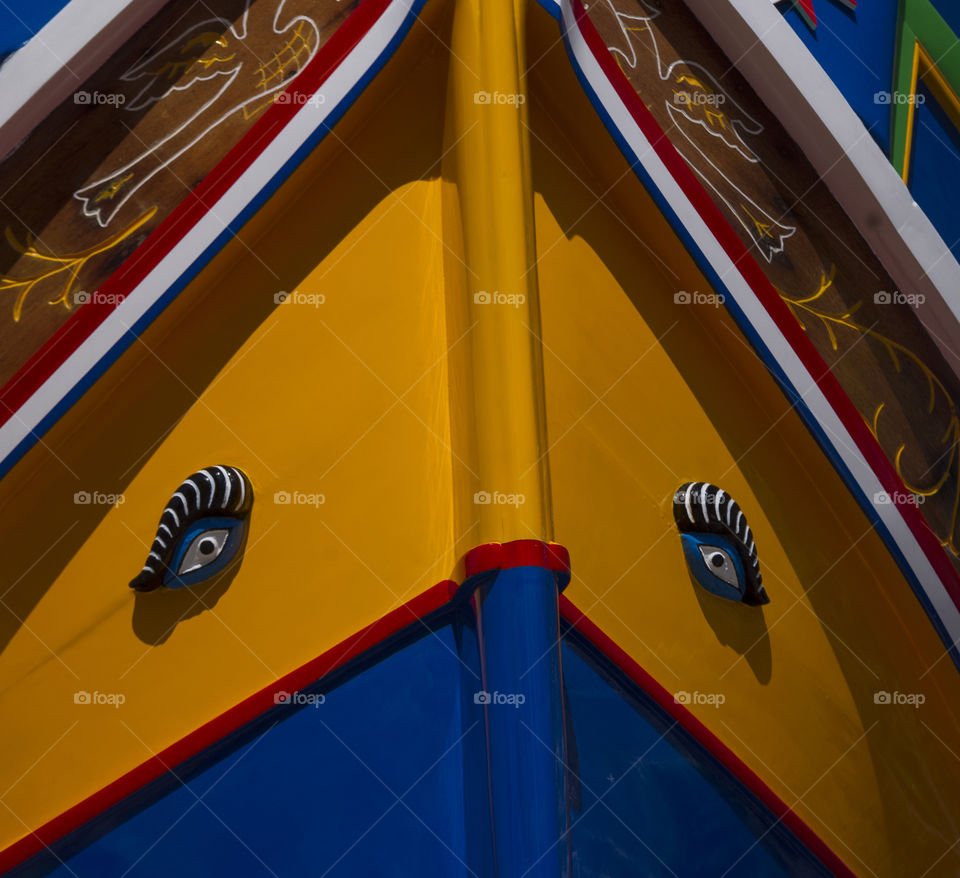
x: 21, y: 22
x: 125, y: 341
x: 552, y: 7
x: 765, y: 354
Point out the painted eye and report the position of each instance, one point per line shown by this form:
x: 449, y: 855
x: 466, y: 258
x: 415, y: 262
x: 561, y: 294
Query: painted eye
x: 200, y: 532
x: 205, y: 549
x: 718, y: 544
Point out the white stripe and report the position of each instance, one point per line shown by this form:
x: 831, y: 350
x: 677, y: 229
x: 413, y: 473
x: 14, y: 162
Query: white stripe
x: 227, y: 208
x: 243, y: 489
x: 716, y: 505
x: 791, y: 82
x: 686, y: 502
x: 703, y: 502
x: 787, y: 359
x: 213, y: 486
x: 193, y: 485
x: 59, y: 58
x: 226, y: 478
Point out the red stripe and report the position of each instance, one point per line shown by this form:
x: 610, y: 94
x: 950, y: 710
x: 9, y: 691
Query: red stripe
x: 517, y: 553
x: 806, y: 10
x: 713, y: 745
x: 216, y: 729
x: 776, y: 307
x: 188, y: 213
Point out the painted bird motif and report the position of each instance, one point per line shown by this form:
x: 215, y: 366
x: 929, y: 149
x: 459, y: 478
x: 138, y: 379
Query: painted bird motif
x: 701, y: 109
x: 212, y: 51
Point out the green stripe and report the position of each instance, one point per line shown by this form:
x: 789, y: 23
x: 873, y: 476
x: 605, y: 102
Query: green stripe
x: 917, y: 20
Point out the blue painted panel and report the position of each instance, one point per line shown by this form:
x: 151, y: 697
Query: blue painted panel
x: 856, y: 48
x: 387, y: 776
x: 20, y: 20
x: 477, y: 813
x: 316, y: 792
x: 935, y: 167
x: 653, y: 802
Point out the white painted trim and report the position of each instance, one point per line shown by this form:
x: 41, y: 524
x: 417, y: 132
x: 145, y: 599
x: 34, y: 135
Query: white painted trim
x: 791, y: 82
x: 763, y: 324
x: 192, y: 245
x: 36, y: 78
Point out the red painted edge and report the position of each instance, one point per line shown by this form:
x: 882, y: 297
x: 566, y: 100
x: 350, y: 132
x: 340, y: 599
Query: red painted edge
x: 56, y: 349
x: 775, y: 307
x: 702, y: 734
x: 216, y: 729
x: 517, y: 553
x: 806, y: 10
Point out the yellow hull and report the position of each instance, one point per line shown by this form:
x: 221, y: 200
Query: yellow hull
x: 371, y: 408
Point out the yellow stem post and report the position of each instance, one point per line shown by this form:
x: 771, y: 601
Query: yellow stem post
x: 489, y: 158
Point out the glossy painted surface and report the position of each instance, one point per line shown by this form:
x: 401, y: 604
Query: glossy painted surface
x: 492, y: 289
x: 868, y: 53
x: 935, y: 166
x: 521, y: 682
x: 950, y: 13
x: 119, y: 159
x: 644, y: 394
x: 19, y: 21
x: 651, y: 802
x: 856, y: 48
x: 342, y: 430
x: 330, y: 798
x: 345, y: 406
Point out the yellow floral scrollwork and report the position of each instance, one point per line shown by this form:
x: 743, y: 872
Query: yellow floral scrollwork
x: 947, y: 458
x: 65, y: 268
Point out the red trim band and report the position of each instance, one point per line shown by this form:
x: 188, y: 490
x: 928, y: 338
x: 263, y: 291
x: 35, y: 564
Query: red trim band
x: 221, y: 726
x: 56, y: 349
x: 827, y: 382
x: 707, y: 739
x: 518, y: 553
